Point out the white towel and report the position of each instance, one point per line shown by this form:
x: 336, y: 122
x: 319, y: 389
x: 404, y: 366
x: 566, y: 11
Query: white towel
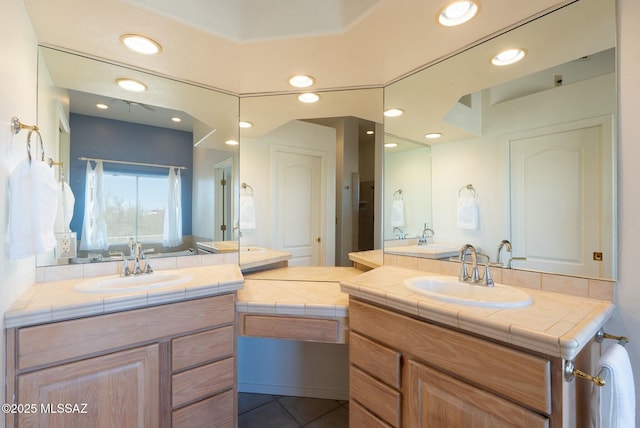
x: 247, y: 212
x: 467, y: 211
x: 33, y: 193
x: 613, y: 405
x: 66, y: 203
x: 397, y: 213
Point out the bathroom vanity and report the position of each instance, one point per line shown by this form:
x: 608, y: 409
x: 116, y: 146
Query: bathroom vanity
x: 165, y: 357
x: 417, y: 361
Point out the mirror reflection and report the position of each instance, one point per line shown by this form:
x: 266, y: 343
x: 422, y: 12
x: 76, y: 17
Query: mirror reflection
x: 308, y: 174
x: 525, y: 151
x: 152, y: 167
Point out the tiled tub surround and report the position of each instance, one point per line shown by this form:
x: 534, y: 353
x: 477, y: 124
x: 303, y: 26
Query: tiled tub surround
x: 54, y: 298
x: 555, y: 324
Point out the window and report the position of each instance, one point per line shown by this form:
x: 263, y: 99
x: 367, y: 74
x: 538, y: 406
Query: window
x: 135, y: 207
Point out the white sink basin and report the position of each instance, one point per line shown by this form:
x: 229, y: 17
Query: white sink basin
x: 252, y: 249
x: 432, y: 251
x: 449, y: 289
x: 125, y: 284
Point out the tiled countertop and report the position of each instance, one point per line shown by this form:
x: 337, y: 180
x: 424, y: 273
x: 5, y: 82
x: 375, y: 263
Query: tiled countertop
x: 58, y: 300
x: 250, y: 260
x: 296, y: 290
x: 554, y: 324
x: 370, y: 258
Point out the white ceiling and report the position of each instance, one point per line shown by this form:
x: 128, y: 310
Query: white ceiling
x: 244, y: 47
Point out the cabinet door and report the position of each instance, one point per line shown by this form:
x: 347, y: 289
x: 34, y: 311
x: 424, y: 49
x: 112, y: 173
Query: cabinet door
x: 437, y: 400
x: 114, y: 390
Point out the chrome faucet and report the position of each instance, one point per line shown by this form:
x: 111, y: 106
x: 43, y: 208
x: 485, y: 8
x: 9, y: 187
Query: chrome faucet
x: 424, y: 239
x: 140, y: 256
x: 507, y: 246
x: 401, y: 234
x: 474, y: 278
x: 503, y: 244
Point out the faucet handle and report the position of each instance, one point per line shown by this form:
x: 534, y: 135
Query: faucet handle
x: 125, y: 265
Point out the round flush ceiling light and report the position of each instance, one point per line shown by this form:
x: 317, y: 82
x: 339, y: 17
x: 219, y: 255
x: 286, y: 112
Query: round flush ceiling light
x: 457, y: 13
x: 231, y: 143
x: 140, y: 44
x: 301, y: 81
x: 390, y: 145
x: 131, y: 85
x: 176, y: 119
x: 245, y: 124
x: 308, y: 97
x: 508, y: 56
x: 393, y: 112
x: 370, y: 132
x: 433, y: 135
x: 102, y: 106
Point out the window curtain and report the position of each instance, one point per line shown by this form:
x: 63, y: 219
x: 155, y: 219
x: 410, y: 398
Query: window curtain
x: 172, y: 231
x: 94, y: 226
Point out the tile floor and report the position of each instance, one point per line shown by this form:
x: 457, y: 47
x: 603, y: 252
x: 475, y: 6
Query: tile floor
x: 278, y: 411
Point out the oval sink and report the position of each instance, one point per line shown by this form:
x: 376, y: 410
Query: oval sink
x: 118, y: 284
x: 449, y: 289
x: 432, y: 251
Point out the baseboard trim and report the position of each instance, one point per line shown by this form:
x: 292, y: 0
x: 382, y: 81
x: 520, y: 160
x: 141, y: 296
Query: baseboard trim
x: 296, y: 391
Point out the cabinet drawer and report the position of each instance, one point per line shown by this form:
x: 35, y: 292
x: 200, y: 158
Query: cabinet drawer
x: 376, y: 359
x: 359, y: 417
x: 53, y: 342
x: 199, y: 348
x: 214, y: 412
x: 310, y: 329
x: 378, y: 398
x: 195, y: 384
x: 506, y: 371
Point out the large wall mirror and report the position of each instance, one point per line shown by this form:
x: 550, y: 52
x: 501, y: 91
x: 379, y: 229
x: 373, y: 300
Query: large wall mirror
x: 162, y: 150
x: 526, y: 151
x: 308, y: 174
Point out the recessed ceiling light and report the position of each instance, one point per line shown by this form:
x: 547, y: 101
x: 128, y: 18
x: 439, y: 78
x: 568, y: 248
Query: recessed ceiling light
x: 131, y: 85
x: 508, y: 56
x: 390, y: 145
x: 301, y: 81
x: 433, y: 135
x: 393, y: 112
x: 231, y: 142
x: 245, y: 124
x: 176, y: 119
x: 140, y: 44
x: 308, y: 97
x: 102, y: 106
x: 369, y: 132
x: 457, y: 13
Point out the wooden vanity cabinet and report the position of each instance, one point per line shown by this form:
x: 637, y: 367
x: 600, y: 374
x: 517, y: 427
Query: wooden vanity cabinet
x: 406, y: 372
x: 162, y: 366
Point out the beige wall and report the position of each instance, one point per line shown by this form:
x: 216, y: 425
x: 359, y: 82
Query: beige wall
x: 626, y: 320
x: 18, y: 77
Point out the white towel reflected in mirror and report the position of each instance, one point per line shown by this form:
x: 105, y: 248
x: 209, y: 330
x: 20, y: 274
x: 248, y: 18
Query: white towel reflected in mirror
x: 247, y: 212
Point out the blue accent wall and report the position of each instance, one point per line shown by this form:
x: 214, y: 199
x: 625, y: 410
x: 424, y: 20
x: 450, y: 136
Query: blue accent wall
x: 95, y: 137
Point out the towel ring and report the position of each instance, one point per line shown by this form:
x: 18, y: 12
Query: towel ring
x: 245, y: 186
x: 38, y: 139
x: 397, y: 195
x: 468, y: 187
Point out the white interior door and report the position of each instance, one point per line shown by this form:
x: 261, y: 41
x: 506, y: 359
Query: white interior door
x: 298, y: 214
x: 556, y: 181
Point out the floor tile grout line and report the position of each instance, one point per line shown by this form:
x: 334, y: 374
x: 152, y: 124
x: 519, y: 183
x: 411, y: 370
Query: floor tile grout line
x: 288, y: 412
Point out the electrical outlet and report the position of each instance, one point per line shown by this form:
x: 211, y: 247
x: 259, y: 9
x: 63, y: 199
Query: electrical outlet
x: 66, y: 245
